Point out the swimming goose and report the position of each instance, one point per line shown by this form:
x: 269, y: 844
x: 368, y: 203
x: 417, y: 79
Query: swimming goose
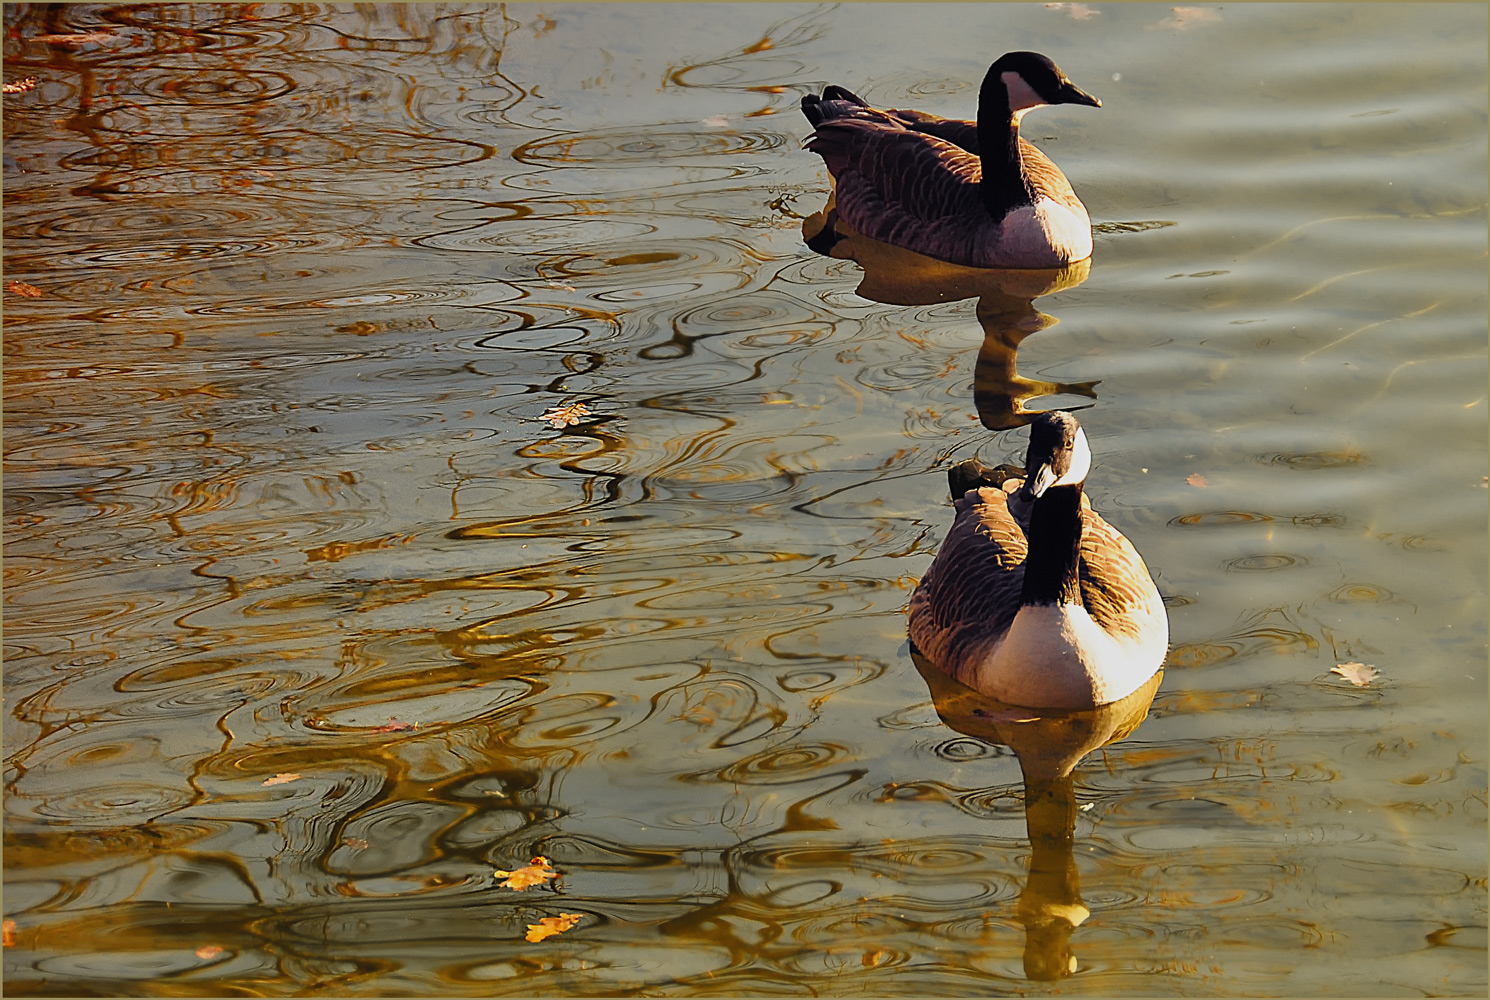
x: 1033, y: 599
x: 971, y: 193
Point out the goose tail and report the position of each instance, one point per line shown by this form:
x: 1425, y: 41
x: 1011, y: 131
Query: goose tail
x: 834, y: 102
x: 973, y: 474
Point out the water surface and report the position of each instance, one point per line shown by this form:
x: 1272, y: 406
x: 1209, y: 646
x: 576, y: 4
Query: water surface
x: 313, y: 621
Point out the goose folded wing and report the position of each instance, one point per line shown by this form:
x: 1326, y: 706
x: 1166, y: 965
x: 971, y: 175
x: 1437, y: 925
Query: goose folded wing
x: 971, y: 590
x: 1115, y: 584
x: 957, y: 131
x: 901, y: 187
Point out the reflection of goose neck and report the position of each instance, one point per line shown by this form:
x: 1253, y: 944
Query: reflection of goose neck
x: 1050, y: 905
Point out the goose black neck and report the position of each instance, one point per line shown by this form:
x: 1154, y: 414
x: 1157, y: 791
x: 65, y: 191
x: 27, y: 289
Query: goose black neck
x: 1050, y: 567
x: 1004, y: 185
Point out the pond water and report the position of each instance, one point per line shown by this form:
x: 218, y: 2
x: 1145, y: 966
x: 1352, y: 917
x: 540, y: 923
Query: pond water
x: 313, y: 622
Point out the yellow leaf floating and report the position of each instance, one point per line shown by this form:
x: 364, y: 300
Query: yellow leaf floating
x: 565, y: 416
x: 281, y: 778
x: 537, y: 872
x: 549, y: 926
x: 1359, y: 674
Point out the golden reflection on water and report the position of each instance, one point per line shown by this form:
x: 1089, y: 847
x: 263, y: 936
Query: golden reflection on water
x: 1005, y: 311
x: 1049, y: 746
x: 313, y: 621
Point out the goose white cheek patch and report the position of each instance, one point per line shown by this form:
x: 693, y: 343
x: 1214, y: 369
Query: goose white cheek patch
x: 1022, y: 96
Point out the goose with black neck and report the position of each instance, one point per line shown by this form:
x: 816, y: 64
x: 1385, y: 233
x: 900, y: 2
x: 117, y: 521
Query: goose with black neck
x: 1034, y: 599
x: 973, y: 193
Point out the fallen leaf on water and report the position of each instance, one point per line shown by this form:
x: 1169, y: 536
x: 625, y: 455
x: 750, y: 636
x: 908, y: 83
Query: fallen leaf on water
x: 1195, y: 479
x: 19, y: 86
x: 355, y: 842
x: 208, y: 952
x: 1189, y: 17
x: 9, y: 938
x: 75, y: 38
x: 21, y: 288
x: 281, y: 778
x: 1078, y: 11
x: 537, y: 872
x: 549, y: 926
x: 394, y: 726
x: 1359, y: 674
x: 565, y: 416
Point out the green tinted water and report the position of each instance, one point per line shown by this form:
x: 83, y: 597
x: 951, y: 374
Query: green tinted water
x: 312, y: 622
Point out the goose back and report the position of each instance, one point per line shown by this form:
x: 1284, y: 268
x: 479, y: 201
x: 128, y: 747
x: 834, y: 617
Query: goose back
x: 966, y: 603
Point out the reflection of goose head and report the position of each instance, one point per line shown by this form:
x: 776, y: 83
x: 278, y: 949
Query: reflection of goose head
x: 1049, y: 745
x: 1035, y: 599
x: 1005, y: 311
x: 972, y: 193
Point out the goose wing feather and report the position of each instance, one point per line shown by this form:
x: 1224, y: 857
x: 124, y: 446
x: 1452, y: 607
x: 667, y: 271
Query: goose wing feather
x: 1045, y: 178
x: 906, y: 188
x: 957, y: 131
x: 971, y: 592
x: 1116, y: 586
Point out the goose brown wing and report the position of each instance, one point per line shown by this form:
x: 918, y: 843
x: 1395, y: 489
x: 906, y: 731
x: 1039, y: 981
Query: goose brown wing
x: 957, y: 131
x: 1115, y: 584
x: 904, y: 188
x: 971, y: 591
x: 1044, y: 177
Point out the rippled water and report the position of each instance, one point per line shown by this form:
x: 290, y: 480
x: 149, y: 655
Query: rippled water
x: 312, y: 621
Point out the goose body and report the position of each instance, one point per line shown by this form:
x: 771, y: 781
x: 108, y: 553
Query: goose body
x: 1034, y: 599
x: 972, y: 193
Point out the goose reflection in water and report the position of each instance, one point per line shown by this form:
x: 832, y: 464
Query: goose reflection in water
x: 1049, y: 745
x: 1005, y: 311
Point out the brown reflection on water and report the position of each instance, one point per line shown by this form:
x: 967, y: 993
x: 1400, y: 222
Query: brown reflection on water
x: 1049, y: 746
x: 313, y: 621
x: 1005, y: 311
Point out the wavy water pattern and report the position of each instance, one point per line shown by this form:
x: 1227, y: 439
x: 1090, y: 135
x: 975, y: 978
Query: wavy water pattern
x: 428, y: 445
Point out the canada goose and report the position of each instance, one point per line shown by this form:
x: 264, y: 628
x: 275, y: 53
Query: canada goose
x: 1033, y: 599
x: 972, y: 193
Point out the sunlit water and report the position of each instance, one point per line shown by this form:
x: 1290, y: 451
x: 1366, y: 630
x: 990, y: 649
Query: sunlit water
x: 312, y: 622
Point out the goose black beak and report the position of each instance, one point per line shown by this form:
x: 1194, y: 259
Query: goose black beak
x: 1072, y: 94
x: 1038, y: 480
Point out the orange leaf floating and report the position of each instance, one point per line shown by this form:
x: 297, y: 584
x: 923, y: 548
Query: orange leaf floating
x: 394, y: 726
x: 76, y: 38
x: 208, y: 952
x: 1359, y: 674
x: 549, y: 926
x: 537, y: 872
x: 283, y: 777
x: 19, y: 86
x: 565, y: 416
x: 1184, y: 18
x: 9, y: 939
x: 1078, y: 11
x: 1195, y: 479
x: 21, y: 288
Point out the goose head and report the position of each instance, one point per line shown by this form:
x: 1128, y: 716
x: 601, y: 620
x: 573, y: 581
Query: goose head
x: 1058, y: 454
x: 1030, y: 80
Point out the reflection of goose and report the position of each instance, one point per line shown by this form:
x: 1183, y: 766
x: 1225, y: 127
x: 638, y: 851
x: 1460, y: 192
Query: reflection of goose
x: 1049, y: 745
x: 1005, y: 311
x: 1033, y: 599
x: 974, y: 194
